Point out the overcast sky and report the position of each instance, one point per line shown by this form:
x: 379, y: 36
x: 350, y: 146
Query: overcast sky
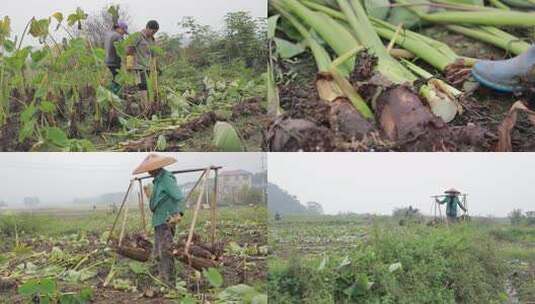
x: 60, y: 177
x: 379, y: 182
x: 167, y: 12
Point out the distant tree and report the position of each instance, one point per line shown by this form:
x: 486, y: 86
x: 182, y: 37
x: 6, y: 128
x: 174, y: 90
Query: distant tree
x: 255, y: 196
x: 96, y: 25
x: 2, y: 205
x: 314, y: 208
x: 516, y: 217
x: 31, y: 202
x: 200, y: 38
x: 171, y: 46
x: 241, y: 39
x: 530, y: 217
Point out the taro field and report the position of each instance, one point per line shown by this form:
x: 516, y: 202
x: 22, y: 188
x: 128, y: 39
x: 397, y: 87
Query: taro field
x: 61, y: 256
x: 374, y: 259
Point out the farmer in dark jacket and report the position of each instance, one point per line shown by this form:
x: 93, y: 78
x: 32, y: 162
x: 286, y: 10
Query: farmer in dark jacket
x: 451, y: 200
x: 113, y: 61
x: 167, y: 206
x: 140, y: 57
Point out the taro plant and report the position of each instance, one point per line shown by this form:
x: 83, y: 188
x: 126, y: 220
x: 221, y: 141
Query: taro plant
x: 46, y: 291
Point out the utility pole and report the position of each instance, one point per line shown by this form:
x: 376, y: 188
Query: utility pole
x: 263, y: 159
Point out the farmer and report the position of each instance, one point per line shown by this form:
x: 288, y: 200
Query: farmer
x: 452, y: 200
x: 140, y: 57
x: 511, y: 75
x: 113, y: 61
x: 167, y: 206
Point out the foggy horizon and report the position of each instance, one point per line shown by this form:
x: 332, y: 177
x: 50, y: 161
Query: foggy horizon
x: 376, y: 183
x: 167, y: 12
x: 59, y: 178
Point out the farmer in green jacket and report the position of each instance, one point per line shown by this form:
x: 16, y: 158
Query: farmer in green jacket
x: 451, y: 200
x: 140, y: 57
x: 167, y: 206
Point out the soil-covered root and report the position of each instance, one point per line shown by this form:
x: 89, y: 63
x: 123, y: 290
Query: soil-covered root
x: 292, y: 135
x: 402, y: 115
x: 135, y: 246
x: 197, y: 263
x: 311, y: 124
x: 187, y: 130
x: 182, y: 133
x: 200, y: 255
x: 346, y: 122
x: 249, y: 107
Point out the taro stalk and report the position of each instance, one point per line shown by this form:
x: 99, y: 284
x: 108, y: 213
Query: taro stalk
x: 442, y: 97
x: 432, y: 51
x: 482, y: 31
x: 365, y: 33
x: 488, y: 34
x: 476, y: 15
x: 327, y: 88
x: 493, y: 36
x: 6, y: 45
x: 272, y: 90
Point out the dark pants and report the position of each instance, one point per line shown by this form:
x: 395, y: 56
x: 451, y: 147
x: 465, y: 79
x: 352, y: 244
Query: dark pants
x: 114, y: 71
x: 163, y: 245
x: 452, y: 219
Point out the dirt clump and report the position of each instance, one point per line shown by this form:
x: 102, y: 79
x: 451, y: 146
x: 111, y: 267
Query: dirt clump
x: 249, y: 107
x: 347, y: 122
x: 291, y: 135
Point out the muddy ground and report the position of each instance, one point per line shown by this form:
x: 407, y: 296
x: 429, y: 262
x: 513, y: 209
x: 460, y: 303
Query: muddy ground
x: 249, y: 117
x: 146, y: 290
x: 308, y: 124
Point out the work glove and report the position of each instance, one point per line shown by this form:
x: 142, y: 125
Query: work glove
x: 130, y: 60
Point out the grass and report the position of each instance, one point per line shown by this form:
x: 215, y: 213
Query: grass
x: 364, y: 259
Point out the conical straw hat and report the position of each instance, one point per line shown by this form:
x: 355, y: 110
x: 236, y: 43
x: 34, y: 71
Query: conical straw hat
x: 153, y: 162
x: 452, y: 190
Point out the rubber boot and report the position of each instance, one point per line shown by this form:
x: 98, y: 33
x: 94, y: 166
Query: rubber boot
x: 115, y: 88
x: 509, y: 75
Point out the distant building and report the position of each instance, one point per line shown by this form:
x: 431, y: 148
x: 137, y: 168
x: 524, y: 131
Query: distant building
x: 229, y: 184
x: 233, y: 181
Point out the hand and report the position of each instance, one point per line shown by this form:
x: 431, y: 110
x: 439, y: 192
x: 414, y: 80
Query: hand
x: 174, y: 219
x: 130, y: 62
